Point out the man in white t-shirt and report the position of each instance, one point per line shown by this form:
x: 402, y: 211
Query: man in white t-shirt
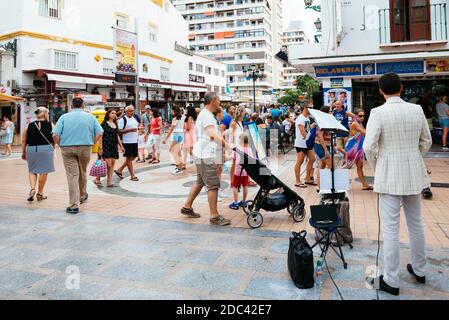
x: 128, y: 127
x: 207, y: 152
x: 302, y: 127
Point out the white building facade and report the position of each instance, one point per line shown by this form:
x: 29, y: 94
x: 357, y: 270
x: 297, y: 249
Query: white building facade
x: 66, y: 48
x: 364, y: 39
x: 239, y: 33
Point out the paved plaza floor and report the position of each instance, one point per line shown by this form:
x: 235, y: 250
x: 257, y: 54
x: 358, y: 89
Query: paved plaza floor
x: 132, y: 243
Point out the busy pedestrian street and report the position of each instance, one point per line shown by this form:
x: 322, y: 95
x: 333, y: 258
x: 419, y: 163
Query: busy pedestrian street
x: 222, y: 158
x: 132, y: 243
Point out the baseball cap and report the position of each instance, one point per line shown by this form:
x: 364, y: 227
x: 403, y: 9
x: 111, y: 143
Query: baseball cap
x: 147, y: 107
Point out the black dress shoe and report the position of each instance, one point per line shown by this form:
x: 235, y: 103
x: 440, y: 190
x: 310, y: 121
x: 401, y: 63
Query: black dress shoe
x: 72, y: 210
x: 383, y: 286
x: 418, y: 278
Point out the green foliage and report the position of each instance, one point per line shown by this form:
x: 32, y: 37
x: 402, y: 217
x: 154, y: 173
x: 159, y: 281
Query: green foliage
x: 307, y: 85
x: 291, y: 97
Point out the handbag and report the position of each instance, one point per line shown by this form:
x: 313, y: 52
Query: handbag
x: 99, y: 169
x: 300, y: 261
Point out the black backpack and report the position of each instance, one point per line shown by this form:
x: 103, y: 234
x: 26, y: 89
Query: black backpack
x: 300, y: 261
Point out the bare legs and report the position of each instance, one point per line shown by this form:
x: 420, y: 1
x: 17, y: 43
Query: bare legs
x: 35, y: 179
x: 110, y: 164
x: 445, y: 133
x: 175, y: 152
x: 300, y: 157
x: 128, y: 164
x: 361, y: 175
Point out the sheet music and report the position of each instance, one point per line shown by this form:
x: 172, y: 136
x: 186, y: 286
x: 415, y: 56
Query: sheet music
x: 341, y: 180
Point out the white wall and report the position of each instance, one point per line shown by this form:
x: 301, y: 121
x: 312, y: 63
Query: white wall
x: 354, y: 40
x: 91, y: 21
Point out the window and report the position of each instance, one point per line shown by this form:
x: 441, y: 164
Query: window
x: 145, y: 68
x: 191, y: 66
x: 208, y: 70
x: 121, y: 21
x: 209, y: 88
x: 50, y: 8
x: 66, y: 60
x: 410, y: 20
x: 199, y: 68
x: 165, y: 74
x: 216, y: 72
x: 222, y: 73
x: 153, y: 30
x: 108, y: 66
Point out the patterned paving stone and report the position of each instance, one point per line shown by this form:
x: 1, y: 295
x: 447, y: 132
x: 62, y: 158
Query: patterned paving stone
x: 134, y: 249
x: 85, y: 264
x: 12, y: 280
x: 204, y: 280
x: 190, y: 256
x: 57, y: 289
x: 144, y: 294
x: 25, y: 256
x: 149, y: 272
x: 258, y: 263
x: 278, y: 289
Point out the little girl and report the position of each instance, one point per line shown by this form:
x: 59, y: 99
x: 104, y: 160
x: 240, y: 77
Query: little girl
x: 240, y: 178
x: 142, y: 142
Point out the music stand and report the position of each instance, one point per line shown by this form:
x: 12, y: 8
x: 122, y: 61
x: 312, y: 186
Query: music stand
x: 327, y: 122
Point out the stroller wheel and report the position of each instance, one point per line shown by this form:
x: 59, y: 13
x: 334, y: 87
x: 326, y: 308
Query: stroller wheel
x: 292, y: 206
x: 299, y: 213
x: 249, y: 207
x: 255, y: 220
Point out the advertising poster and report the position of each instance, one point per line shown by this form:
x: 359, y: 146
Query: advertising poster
x: 125, y: 49
x: 333, y: 94
x: 437, y: 66
x: 258, y: 144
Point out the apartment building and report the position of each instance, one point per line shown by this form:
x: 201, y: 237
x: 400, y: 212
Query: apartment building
x: 240, y: 33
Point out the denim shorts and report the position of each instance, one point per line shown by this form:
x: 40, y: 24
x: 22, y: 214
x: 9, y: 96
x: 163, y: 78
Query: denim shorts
x: 444, y: 123
x: 177, y: 137
x: 319, y: 151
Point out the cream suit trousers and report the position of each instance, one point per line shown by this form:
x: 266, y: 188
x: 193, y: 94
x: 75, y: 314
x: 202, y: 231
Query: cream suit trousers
x: 390, y: 208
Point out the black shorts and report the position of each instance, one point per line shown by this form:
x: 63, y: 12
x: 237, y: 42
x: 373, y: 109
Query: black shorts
x: 131, y: 150
x: 303, y: 150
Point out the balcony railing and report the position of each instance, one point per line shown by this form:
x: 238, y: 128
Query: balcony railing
x: 416, y: 24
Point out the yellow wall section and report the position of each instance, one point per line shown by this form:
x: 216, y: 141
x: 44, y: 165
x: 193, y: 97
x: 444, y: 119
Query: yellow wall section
x: 73, y: 41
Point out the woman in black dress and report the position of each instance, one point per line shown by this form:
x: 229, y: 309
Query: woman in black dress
x: 109, y: 144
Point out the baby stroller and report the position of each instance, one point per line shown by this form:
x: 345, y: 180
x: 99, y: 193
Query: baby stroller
x: 282, y: 198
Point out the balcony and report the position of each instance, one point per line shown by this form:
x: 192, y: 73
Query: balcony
x: 421, y: 25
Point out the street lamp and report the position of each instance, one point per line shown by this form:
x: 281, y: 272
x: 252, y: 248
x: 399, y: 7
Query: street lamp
x: 254, y: 73
x: 318, y: 25
x: 309, y: 5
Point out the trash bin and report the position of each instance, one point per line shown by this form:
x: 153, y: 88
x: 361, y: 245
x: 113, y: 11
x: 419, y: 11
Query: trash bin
x: 99, y: 114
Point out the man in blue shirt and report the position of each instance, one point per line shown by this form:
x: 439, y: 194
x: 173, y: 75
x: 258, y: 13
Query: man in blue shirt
x: 276, y: 112
x: 76, y: 132
x: 342, y: 116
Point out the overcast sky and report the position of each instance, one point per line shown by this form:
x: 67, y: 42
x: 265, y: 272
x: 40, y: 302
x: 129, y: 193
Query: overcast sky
x: 295, y: 10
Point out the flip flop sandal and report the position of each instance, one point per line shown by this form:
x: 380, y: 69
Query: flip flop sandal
x: 155, y: 162
x: 135, y: 179
x: 111, y: 186
x: 98, y: 184
x: 31, y: 195
x: 302, y: 185
x: 118, y: 174
x: 311, y: 183
x: 368, y: 189
x: 40, y: 197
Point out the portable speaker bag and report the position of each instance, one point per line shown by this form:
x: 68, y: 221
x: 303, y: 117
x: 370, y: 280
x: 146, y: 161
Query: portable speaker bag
x: 300, y: 261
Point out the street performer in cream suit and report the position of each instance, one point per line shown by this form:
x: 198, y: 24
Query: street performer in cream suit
x: 397, y: 137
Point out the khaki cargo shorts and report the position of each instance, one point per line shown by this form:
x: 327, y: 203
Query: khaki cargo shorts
x: 207, y: 171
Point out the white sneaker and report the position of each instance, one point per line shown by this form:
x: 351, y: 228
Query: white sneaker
x: 177, y: 171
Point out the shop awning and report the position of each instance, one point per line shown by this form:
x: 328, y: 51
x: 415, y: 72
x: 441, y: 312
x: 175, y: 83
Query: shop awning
x: 78, y: 80
x: 7, y: 98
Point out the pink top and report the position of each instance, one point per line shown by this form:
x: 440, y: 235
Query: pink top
x: 238, y: 168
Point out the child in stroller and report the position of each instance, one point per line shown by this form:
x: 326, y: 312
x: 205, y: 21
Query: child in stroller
x: 282, y: 198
